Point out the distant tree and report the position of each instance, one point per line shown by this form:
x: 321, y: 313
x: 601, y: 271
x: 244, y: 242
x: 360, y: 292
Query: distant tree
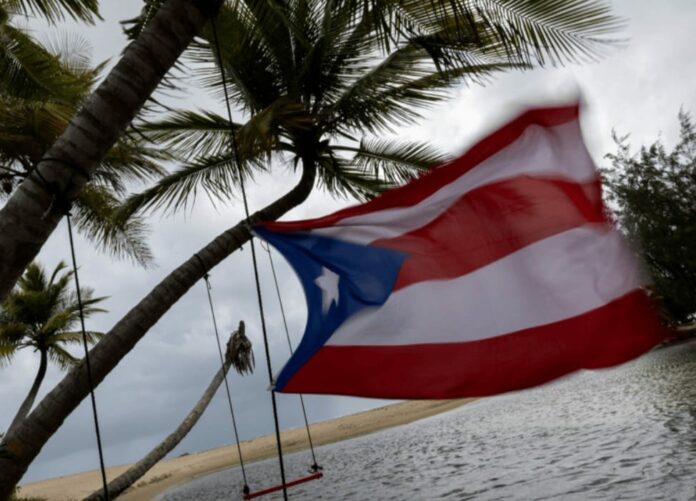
x: 237, y: 355
x: 40, y: 314
x: 653, y: 196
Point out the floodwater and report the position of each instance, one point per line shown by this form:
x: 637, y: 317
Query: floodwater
x: 622, y: 433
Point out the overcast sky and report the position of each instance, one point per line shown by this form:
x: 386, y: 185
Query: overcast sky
x: 637, y: 89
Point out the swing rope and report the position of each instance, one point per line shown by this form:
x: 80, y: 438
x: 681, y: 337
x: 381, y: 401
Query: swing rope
x: 87, y: 362
x: 208, y: 289
x: 235, y: 152
x: 315, y: 466
x: 59, y: 199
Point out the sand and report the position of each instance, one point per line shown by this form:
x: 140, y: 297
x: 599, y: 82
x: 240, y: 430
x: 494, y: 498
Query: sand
x: 177, y: 471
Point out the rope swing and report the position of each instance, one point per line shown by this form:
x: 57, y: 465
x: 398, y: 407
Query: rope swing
x: 243, y: 368
x: 59, y: 200
x: 314, y: 467
x: 317, y: 474
x: 87, y: 363
x: 253, y: 258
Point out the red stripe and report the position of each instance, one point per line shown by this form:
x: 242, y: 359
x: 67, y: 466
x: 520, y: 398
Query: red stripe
x: 292, y: 483
x: 607, y: 336
x: 433, y: 180
x: 493, y: 221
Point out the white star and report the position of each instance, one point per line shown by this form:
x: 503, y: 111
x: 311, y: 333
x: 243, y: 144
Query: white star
x: 328, y: 283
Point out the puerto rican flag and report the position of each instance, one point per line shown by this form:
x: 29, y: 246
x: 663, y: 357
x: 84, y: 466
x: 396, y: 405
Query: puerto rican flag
x: 494, y: 272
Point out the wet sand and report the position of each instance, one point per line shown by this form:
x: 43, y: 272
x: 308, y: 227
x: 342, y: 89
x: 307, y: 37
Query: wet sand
x: 177, y: 471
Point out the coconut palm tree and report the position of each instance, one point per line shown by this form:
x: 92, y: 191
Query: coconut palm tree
x: 424, y: 48
x: 30, y: 215
x: 238, y: 355
x: 40, y: 314
x: 318, y: 81
x: 42, y: 86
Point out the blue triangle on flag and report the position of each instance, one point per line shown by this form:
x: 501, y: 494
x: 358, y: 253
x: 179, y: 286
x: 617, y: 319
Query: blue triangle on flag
x: 339, y: 279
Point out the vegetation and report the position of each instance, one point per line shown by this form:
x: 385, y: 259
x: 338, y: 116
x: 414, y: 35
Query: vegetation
x: 653, y: 195
x: 321, y: 81
x: 41, y: 87
x: 31, y: 213
x: 55, y: 10
x: 40, y: 314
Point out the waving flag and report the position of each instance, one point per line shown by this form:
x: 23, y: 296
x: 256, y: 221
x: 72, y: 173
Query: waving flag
x: 494, y: 272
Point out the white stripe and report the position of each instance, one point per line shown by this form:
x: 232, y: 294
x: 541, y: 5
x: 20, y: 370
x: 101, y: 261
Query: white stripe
x: 554, y: 151
x: 559, y: 277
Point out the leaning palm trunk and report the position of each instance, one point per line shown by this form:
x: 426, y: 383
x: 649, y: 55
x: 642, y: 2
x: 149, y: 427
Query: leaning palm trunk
x: 18, y: 450
x: 117, y: 486
x: 33, y: 211
x: 31, y: 396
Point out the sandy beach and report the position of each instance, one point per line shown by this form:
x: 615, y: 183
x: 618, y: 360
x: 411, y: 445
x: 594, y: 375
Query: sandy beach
x: 176, y: 471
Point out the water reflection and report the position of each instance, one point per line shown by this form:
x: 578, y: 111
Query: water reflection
x: 624, y: 433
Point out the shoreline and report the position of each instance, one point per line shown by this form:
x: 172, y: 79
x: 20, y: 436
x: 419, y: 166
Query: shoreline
x: 173, y: 472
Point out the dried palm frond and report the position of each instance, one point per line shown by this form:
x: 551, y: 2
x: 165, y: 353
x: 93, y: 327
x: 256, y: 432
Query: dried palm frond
x: 239, y: 351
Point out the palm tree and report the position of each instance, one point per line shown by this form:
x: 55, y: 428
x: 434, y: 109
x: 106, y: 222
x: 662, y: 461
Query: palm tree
x: 316, y: 79
x: 238, y: 354
x: 41, y: 314
x: 432, y: 44
x: 30, y: 215
x: 42, y: 86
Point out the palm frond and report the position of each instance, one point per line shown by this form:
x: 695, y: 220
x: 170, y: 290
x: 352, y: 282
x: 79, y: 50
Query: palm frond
x: 338, y: 177
x: 544, y: 31
x: 30, y: 71
x: 56, y: 10
x: 395, y: 92
x: 62, y: 265
x: 7, y: 352
x: 11, y: 335
x: 345, y: 46
x: 62, y: 357
x: 206, y: 139
x: 239, y: 351
x: 541, y: 31
x: 273, y: 23
x: 190, y: 133
x: 392, y: 161
x: 28, y: 128
x: 96, y: 217
x: 255, y: 76
x: 73, y: 51
x: 75, y: 337
x: 57, y: 322
x: 33, y: 279
x: 217, y: 175
x: 130, y: 160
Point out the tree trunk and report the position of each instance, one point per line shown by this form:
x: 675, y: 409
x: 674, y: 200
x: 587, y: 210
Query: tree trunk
x: 35, y: 208
x: 18, y: 450
x: 31, y: 396
x: 130, y: 476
